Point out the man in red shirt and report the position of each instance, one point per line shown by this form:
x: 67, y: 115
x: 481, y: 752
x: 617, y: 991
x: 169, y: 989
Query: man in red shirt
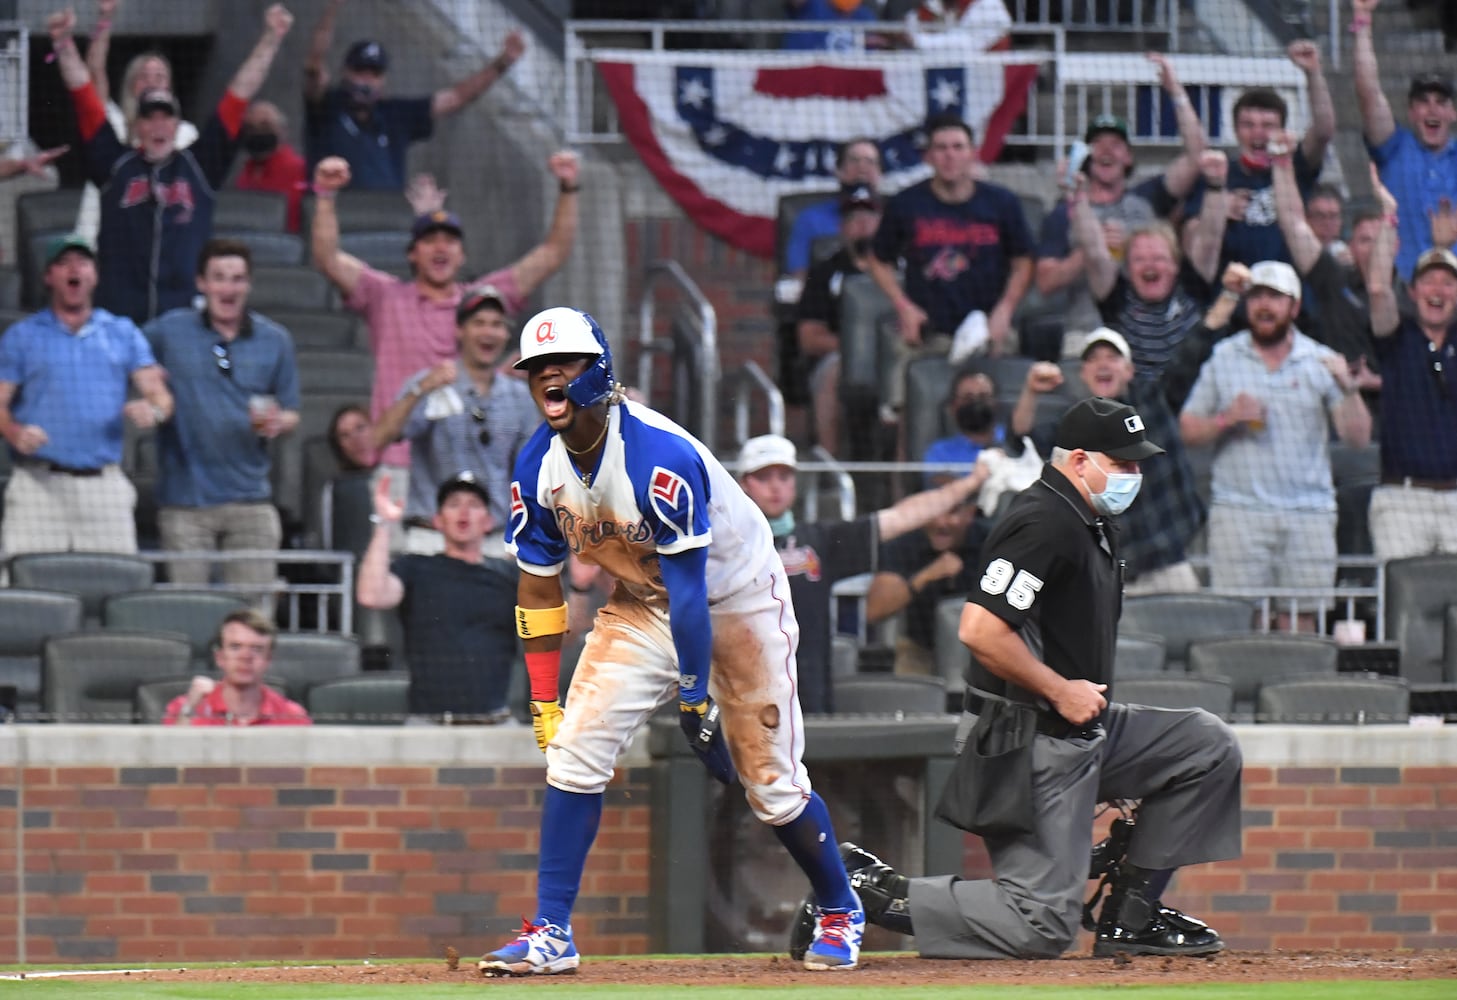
x: 242, y: 652
x: 272, y: 164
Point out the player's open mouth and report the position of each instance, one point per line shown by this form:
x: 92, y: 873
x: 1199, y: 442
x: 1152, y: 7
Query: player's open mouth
x: 554, y: 401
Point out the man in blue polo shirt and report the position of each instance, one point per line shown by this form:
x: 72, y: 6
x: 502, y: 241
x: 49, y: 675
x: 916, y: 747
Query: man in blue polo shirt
x: 236, y: 384
x: 1414, y: 510
x: 1418, y: 164
x: 63, y: 386
x: 373, y: 132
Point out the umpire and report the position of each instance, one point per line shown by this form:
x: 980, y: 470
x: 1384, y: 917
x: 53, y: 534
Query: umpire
x: 1043, y: 622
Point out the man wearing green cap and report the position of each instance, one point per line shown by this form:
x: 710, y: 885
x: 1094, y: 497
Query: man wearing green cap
x: 1119, y: 206
x: 64, y: 374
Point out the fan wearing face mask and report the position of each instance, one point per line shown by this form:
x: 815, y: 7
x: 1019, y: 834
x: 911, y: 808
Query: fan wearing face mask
x: 271, y: 164
x: 971, y: 407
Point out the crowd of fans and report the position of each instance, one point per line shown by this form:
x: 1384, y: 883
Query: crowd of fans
x: 1223, y: 298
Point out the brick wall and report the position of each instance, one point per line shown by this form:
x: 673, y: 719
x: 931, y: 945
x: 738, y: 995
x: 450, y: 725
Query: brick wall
x: 193, y: 845
x: 170, y: 863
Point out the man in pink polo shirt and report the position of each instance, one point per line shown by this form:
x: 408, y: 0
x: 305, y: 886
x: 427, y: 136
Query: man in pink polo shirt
x: 412, y: 321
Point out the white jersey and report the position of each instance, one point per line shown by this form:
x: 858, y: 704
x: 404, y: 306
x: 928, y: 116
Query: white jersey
x: 656, y: 489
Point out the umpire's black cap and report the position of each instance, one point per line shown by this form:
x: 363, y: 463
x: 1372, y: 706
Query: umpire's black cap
x: 1106, y: 426
x: 461, y: 482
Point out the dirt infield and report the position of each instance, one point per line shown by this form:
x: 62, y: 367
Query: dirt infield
x: 886, y: 970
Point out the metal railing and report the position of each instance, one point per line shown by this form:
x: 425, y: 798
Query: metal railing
x: 746, y: 384
x: 14, y: 83
x: 705, y: 375
x: 334, y: 601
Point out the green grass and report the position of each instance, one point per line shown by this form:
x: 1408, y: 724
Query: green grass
x: 841, y: 988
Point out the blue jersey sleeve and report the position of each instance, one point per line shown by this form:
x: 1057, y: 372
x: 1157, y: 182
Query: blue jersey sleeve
x: 671, y: 484
x: 533, y: 534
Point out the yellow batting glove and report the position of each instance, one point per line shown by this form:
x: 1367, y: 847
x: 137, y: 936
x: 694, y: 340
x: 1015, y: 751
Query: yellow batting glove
x: 546, y: 716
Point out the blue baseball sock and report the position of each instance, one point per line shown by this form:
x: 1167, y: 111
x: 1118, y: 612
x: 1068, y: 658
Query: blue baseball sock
x: 1158, y: 881
x: 810, y: 840
x: 568, y: 826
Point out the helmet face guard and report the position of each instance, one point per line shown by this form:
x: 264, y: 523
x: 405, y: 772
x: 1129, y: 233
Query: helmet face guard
x: 565, y: 331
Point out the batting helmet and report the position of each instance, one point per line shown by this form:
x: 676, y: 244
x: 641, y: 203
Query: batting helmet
x: 563, y: 330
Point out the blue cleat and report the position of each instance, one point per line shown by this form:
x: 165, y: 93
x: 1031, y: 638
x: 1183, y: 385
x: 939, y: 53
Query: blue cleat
x: 540, y: 949
x: 837, y: 937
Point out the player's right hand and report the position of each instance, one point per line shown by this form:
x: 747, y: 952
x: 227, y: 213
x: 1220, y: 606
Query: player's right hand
x: 331, y: 174
x: 546, y: 716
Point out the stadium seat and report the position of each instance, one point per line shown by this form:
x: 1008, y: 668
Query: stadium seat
x: 365, y: 211
x: 289, y: 288
x: 249, y: 211
x: 366, y: 700
x: 47, y: 211
x: 347, y: 502
x: 10, y: 290
x: 95, y: 576
x: 348, y: 370
x: 93, y: 676
x: 27, y: 619
x: 953, y: 658
x: 303, y: 659
x: 790, y: 205
x: 1449, y: 646
x: 1335, y: 701
x: 1183, y: 618
x: 1251, y: 661
x: 377, y: 249
x: 1213, y: 694
x: 196, y: 614
x: 928, y: 380
x: 1418, y: 593
x: 1139, y: 653
x: 318, y: 330
x: 152, y: 698
x: 888, y: 694
x: 267, y: 249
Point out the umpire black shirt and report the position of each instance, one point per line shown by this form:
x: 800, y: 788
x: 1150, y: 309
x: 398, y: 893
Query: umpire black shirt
x: 1050, y: 570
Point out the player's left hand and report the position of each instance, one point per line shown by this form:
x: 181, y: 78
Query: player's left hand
x: 700, y: 723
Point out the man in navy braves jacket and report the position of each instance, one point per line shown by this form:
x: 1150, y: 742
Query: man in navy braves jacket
x: 156, y: 200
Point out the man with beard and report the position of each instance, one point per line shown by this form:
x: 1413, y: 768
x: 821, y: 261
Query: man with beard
x: 857, y: 165
x: 157, y: 201
x: 1155, y: 298
x: 236, y: 381
x: 1155, y: 532
x: 1418, y: 164
x: 1120, y: 207
x: 1414, y: 510
x: 1251, y: 234
x: 1265, y: 399
x: 818, y: 325
x: 455, y: 605
x: 412, y: 321
x: 63, y: 388
x: 372, y: 132
x: 460, y: 415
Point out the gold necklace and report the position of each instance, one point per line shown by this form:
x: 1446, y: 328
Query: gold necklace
x: 607, y: 419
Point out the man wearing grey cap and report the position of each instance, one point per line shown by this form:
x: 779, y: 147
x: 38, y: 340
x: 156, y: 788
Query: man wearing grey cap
x: 1264, y: 400
x: 460, y: 414
x: 1042, y: 623
x: 1417, y: 161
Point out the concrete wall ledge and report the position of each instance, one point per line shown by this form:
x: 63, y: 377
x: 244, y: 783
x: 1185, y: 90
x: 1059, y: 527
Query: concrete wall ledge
x: 513, y: 745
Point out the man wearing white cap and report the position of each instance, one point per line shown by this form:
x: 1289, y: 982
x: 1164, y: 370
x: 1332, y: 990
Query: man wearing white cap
x: 1263, y: 399
x: 818, y: 555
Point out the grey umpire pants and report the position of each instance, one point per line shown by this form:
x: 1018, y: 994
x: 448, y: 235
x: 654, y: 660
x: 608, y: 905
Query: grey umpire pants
x: 1184, y: 764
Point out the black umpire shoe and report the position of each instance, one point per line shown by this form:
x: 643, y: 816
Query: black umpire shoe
x: 884, y: 895
x: 1132, y: 924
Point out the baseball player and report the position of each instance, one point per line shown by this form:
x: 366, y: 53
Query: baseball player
x: 702, y: 611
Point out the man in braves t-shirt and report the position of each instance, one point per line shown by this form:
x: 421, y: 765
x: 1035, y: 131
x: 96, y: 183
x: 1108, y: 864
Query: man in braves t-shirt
x: 1253, y: 232
x: 965, y: 244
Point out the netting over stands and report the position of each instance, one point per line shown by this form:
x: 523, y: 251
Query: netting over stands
x: 764, y: 217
